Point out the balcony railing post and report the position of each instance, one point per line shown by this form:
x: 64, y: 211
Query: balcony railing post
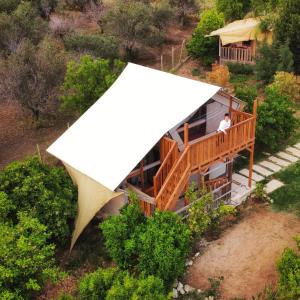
x: 186, y: 134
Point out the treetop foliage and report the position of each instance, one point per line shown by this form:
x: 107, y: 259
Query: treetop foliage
x: 86, y: 81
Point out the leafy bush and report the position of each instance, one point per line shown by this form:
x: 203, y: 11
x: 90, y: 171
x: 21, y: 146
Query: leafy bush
x: 98, y: 45
x: 127, y: 287
x: 233, y: 9
x: 156, y: 246
x: 220, y: 75
x: 237, y: 68
x: 27, y: 260
x: 46, y: 193
x: 163, y: 244
x: 94, y: 286
x: 86, y: 81
x: 286, y: 84
x: 203, y: 47
x: 289, y: 275
x: 286, y: 58
x: 118, y: 232
x: 113, y: 284
x: 8, y: 5
x: 247, y: 94
x: 275, y: 121
x: 203, y: 216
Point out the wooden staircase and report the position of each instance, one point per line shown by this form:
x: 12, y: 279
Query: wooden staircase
x: 198, y: 155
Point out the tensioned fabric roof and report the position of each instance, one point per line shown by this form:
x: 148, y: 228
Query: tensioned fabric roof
x: 111, y: 138
x: 101, y: 148
x: 241, y: 30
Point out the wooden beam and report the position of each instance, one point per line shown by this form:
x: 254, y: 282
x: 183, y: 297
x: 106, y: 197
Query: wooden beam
x: 251, y: 166
x: 186, y: 134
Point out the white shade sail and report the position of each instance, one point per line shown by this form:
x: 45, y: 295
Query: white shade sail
x: 111, y: 138
x: 101, y: 148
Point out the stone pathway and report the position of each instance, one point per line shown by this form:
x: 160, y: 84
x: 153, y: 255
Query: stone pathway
x: 269, y: 166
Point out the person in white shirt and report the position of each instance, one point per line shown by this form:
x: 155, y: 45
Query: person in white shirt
x: 224, y: 124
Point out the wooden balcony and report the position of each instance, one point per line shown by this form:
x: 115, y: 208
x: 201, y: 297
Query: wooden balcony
x: 197, y: 157
x: 241, y: 55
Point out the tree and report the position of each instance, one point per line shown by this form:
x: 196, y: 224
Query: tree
x: 46, y: 193
x: 286, y: 84
x: 266, y: 62
x: 201, y: 46
x: 163, y: 245
x: 286, y: 58
x: 118, y: 232
x: 183, y: 7
x: 276, y: 121
x: 34, y: 75
x: 86, y: 81
x: 287, y: 28
x: 132, y: 23
x: 27, y: 259
x: 248, y: 94
x: 23, y: 23
x: 263, y: 7
x: 233, y: 9
x: 98, y: 45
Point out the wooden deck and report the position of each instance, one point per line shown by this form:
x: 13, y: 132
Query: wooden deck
x: 198, y: 156
x: 236, y: 55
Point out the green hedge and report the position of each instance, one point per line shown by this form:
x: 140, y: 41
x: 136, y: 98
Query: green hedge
x: 237, y: 68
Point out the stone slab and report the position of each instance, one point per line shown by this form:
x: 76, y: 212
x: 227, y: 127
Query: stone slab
x: 242, y: 180
x: 279, y: 161
x: 256, y: 177
x: 293, y: 151
x: 273, y: 185
x: 271, y: 166
x: 261, y: 170
x: 287, y: 156
x: 297, y: 145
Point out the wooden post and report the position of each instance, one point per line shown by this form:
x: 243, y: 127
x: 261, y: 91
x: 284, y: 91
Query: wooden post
x: 230, y: 106
x: 252, y: 147
x: 251, y: 166
x: 181, y: 50
x: 186, y: 134
x: 39, y: 153
x: 161, y: 62
x: 172, y: 57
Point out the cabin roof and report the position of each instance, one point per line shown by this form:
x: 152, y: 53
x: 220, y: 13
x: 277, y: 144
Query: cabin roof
x: 114, y: 134
x: 239, y: 31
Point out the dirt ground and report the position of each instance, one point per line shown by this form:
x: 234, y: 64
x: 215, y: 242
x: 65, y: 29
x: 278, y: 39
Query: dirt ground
x: 18, y: 139
x: 246, y: 254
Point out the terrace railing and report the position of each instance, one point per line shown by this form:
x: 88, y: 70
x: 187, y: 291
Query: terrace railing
x: 236, y: 54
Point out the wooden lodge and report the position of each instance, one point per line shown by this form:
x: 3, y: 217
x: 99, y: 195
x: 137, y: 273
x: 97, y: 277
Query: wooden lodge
x: 195, y: 151
x: 238, y: 41
x: 154, y: 133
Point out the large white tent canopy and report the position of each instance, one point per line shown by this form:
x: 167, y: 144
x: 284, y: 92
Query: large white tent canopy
x: 110, y: 139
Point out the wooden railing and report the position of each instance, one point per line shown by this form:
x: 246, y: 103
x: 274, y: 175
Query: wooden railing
x: 236, y: 54
x: 167, y: 164
x: 209, y: 150
x: 175, y: 182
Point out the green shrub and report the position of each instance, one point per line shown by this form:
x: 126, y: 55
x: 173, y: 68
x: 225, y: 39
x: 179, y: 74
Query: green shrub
x: 247, y: 94
x: 237, y: 68
x: 275, y: 120
x: 238, y: 79
x: 203, y: 215
x: 196, y: 72
x: 154, y: 246
x: 289, y: 275
x: 46, y: 193
x: 27, y: 260
x: 98, y: 45
x: 118, y: 232
x: 94, y: 286
x: 203, y: 47
x: 163, y: 245
x: 8, y: 5
x: 127, y: 287
x: 233, y: 9
x: 86, y: 81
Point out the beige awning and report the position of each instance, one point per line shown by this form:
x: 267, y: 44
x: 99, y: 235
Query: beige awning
x: 242, y: 30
